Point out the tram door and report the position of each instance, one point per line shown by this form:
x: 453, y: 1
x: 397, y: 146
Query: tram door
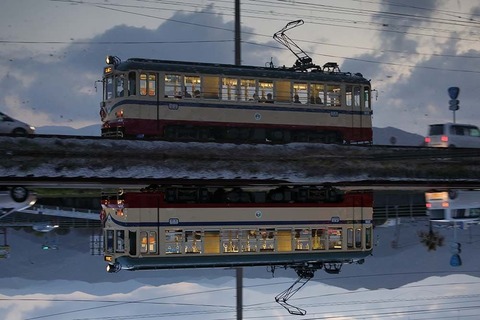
x: 355, y: 229
x: 357, y: 100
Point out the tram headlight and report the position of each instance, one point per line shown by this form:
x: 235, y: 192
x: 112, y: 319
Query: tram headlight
x: 112, y: 60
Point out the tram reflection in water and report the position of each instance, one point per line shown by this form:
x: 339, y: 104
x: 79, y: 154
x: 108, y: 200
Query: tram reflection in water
x: 200, y: 227
x: 304, y: 228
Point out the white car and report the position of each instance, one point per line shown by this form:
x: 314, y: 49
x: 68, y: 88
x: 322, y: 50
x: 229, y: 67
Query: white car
x: 15, y: 198
x: 458, y: 206
x: 453, y: 135
x: 13, y: 126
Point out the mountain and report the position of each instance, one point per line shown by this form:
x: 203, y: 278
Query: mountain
x: 382, y: 136
x: 93, y: 130
x: 385, y: 136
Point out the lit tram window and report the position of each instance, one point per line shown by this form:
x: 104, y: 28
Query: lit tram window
x: 143, y: 84
x: 173, y: 85
x: 319, y: 238
x: 300, y: 91
x: 193, y: 86
x: 143, y: 242
x: 230, y: 89
x: 230, y: 240
x: 152, y: 242
x: 193, y: 242
x: 335, y: 238
x: 152, y: 84
x: 265, y: 91
x: 173, y: 241
x: 283, y: 92
x: 210, y: 87
x: 333, y: 95
x: 248, y: 90
x: 317, y: 93
x: 249, y: 241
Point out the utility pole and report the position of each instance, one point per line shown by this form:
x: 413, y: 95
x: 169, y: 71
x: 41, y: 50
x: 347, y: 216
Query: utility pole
x: 239, y: 293
x: 238, y: 60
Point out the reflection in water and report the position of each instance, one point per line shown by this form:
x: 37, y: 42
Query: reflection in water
x: 304, y: 228
x: 278, y: 227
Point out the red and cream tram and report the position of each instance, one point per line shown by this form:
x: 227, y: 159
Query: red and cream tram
x: 189, y: 101
x: 205, y: 227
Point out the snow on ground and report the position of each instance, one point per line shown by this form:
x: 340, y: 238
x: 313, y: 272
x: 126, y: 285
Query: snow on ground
x: 294, y: 163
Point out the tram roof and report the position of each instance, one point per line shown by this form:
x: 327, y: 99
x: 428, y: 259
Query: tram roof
x: 242, y: 71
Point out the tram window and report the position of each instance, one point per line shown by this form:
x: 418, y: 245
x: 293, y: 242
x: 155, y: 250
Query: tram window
x: 317, y: 93
x: 119, y: 81
x: 109, y: 241
x: 193, y: 242
x: 335, y: 238
x: 173, y: 85
x: 249, y: 240
x: 132, y: 237
x: 283, y: 91
x: 210, y: 87
x: 300, y: 93
x: 350, y: 238
x: 366, y: 97
x: 284, y: 240
x: 348, y: 95
x: 120, y: 241
x: 143, y: 242
x: 152, y: 242
x: 152, y: 84
x: 173, y: 241
x: 248, y: 90
x: 193, y: 86
x: 266, y: 91
x: 230, y: 89
x: 211, y: 242
x: 319, y: 239
x: 108, y: 88
x: 333, y: 95
x: 132, y: 84
x: 267, y: 241
x: 356, y: 97
x: 143, y: 84
x: 358, y: 238
x: 230, y: 239
x: 302, y: 239
x: 368, y: 238
x: 354, y: 238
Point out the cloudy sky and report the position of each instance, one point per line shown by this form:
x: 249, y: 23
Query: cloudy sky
x: 52, y: 51
x: 406, y: 282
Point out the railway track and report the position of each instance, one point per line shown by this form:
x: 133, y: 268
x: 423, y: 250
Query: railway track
x: 86, y: 157
x: 390, y: 152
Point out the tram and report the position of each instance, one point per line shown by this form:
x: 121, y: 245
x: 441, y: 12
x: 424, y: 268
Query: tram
x: 191, y: 101
x: 303, y: 227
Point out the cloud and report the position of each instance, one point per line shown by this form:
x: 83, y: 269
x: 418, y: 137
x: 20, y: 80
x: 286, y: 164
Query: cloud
x: 417, y: 60
x: 60, y: 85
